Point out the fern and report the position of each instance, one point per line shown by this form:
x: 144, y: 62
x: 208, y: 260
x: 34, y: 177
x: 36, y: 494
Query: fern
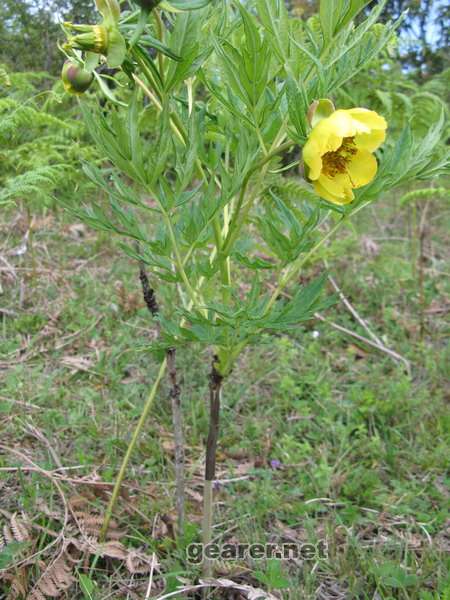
x: 399, y: 98
x: 41, y: 144
x: 15, y: 116
x: 56, y: 579
x: 4, y: 77
x: 426, y: 194
x: 292, y: 189
x: 34, y: 184
x: 13, y: 529
x: 412, y: 158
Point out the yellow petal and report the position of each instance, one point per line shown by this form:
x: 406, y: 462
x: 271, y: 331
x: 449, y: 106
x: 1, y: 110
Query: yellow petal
x: 348, y: 126
x: 362, y: 168
x: 336, y: 189
x: 368, y: 118
x: 312, y: 157
x: 322, y: 192
x: 370, y: 141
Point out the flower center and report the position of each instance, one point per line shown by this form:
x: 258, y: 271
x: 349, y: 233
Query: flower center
x: 335, y: 163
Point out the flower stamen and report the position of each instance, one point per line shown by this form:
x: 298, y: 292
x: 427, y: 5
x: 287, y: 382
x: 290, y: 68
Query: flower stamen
x: 336, y: 162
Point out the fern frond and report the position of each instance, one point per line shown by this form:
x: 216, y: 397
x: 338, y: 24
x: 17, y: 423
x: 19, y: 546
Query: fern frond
x: 18, y: 584
x: 35, y: 183
x: 426, y: 194
x: 15, y: 529
x: 56, y: 579
x: 4, y: 77
x: 293, y: 188
x: 15, y: 116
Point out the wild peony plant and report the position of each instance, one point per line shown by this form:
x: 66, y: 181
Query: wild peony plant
x: 214, y: 111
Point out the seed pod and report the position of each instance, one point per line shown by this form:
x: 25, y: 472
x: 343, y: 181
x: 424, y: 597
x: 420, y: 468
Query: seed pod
x: 75, y: 79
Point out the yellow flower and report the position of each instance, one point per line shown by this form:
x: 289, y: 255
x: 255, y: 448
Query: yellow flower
x: 338, y: 152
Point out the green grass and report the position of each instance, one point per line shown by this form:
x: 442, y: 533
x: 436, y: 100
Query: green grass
x: 362, y: 446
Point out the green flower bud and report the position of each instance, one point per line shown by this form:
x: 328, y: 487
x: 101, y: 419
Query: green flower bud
x: 105, y: 38
x: 75, y: 79
x: 100, y: 39
x: 94, y: 38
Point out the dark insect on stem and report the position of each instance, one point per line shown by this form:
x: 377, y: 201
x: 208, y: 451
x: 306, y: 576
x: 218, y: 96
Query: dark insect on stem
x: 148, y: 292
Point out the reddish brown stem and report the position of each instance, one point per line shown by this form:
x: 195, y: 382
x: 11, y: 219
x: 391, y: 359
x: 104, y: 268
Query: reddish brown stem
x: 177, y: 420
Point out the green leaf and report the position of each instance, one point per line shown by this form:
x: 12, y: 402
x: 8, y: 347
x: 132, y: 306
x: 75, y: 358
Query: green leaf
x: 300, y: 308
x: 253, y: 263
x: 133, y: 129
x: 117, y: 48
x: 336, y: 14
x: 87, y: 586
x: 9, y: 553
x: 275, y: 19
x: 107, y: 91
x: 298, y: 103
x: 393, y: 576
x: 187, y: 42
x: 152, y: 42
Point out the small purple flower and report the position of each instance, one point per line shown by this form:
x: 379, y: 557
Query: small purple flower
x: 275, y: 464
x: 216, y: 485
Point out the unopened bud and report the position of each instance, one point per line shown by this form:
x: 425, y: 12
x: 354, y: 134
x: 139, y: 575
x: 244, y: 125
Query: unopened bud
x: 94, y: 38
x: 99, y: 39
x: 75, y: 79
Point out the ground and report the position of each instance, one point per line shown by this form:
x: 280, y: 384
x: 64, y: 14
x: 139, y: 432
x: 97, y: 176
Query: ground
x: 323, y: 436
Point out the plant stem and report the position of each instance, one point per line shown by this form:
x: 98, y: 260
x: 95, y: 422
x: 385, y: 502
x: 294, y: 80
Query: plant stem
x: 118, y: 483
x: 215, y: 390
x: 177, y: 420
x: 421, y: 268
x: 178, y: 260
x: 153, y: 307
x: 238, y: 219
x: 175, y: 396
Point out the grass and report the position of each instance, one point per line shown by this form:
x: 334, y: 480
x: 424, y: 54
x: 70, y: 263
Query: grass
x: 323, y: 436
